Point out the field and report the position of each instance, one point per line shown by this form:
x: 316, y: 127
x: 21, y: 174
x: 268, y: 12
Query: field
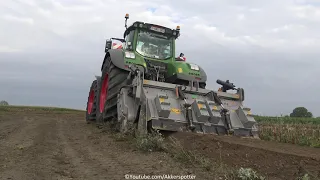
x: 301, y: 131
x: 56, y: 143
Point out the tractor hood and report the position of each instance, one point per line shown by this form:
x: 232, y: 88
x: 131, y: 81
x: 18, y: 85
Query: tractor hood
x: 190, y: 72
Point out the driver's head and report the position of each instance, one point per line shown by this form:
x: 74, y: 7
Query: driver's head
x: 145, y: 46
x: 153, y: 49
x: 162, y: 51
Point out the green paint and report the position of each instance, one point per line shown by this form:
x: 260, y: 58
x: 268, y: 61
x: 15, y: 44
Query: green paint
x: 194, y: 96
x: 174, y: 67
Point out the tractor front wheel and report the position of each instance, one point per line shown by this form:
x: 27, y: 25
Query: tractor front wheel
x: 92, y: 103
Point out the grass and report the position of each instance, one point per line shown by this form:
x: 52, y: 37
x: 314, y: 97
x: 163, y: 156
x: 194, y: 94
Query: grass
x: 180, y: 154
x: 305, y: 177
x: 156, y: 142
x: 150, y: 142
x: 245, y: 174
x: 190, y: 158
x: 36, y: 109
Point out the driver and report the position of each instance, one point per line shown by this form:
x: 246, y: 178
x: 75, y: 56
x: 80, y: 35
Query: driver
x: 149, y: 49
x: 154, y: 50
x: 145, y: 47
x: 162, y: 52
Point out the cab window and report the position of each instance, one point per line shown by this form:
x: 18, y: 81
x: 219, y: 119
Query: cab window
x: 129, y: 38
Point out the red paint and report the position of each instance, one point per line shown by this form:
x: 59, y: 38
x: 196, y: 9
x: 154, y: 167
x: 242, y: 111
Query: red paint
x: 115, y: 44
x: 183, y: 58
x: 103, y: 92
x: 90, y: 103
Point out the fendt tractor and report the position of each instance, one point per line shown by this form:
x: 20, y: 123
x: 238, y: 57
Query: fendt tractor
x: 144, y: 86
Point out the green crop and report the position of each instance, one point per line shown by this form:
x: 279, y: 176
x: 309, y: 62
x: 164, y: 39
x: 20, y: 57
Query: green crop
x: 301, y: 131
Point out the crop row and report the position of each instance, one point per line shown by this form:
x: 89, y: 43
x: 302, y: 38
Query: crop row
x: 287, y: 120
x: 301, y: 134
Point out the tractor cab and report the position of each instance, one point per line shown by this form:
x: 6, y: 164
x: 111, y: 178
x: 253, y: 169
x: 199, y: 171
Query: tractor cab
x: 152, y: 47
x: 150, y: 40
x: 147, y: 41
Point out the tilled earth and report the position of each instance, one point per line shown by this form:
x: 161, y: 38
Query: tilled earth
x: 272, y: 159
x: 63, y: 146
x: 58, y: 145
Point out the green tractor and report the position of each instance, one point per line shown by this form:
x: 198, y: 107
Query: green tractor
x: 143, y: 85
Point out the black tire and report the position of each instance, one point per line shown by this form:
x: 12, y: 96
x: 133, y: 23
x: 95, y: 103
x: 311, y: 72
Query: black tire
x: 92, y: 103
x: 99, y: 114
x: 117, y: 78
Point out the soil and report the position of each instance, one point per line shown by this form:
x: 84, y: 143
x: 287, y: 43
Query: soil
x: 60, y: 145
x: 271, y: 159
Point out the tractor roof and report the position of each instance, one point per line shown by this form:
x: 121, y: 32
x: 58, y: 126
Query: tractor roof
x: 153, y: 27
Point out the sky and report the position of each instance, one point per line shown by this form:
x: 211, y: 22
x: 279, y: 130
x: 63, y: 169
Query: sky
x: 51, y: 50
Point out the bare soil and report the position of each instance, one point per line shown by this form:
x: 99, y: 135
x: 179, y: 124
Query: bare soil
x: 60, y: 145
x: 272, y: 159
x: 63, y: 146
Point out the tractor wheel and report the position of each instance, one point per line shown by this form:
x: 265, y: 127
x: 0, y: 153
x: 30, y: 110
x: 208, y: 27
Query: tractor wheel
x: 92, y: 103
x: 112, y: 80
x: 98, y: 112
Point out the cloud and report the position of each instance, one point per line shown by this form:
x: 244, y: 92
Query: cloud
x: 307, y: 12
x: 268, y: 47
x: 12, y: 18
x: 6, y: 49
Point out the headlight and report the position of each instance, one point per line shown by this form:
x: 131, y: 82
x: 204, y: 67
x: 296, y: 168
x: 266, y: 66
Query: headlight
x: 194, y: 67
x: 130, y: 55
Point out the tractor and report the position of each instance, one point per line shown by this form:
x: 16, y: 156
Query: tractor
x: 145, y: 86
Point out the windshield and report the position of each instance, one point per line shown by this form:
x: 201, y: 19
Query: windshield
x: 154, y: 45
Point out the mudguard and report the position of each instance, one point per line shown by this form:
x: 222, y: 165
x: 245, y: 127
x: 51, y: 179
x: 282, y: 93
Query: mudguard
x: 117, y: 58
x: 203, y: 75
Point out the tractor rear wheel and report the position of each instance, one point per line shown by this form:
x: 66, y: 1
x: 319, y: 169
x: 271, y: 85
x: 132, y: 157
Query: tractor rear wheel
x: 92, y: 103
x: 112, y: 80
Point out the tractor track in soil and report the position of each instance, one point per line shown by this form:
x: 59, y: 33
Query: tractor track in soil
x: 50, y: 145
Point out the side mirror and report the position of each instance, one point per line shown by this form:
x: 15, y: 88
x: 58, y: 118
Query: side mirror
x: 129, y: 46
x: 108, y: 45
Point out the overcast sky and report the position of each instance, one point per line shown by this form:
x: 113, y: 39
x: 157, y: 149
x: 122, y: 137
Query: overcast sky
x: 50, y: 50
